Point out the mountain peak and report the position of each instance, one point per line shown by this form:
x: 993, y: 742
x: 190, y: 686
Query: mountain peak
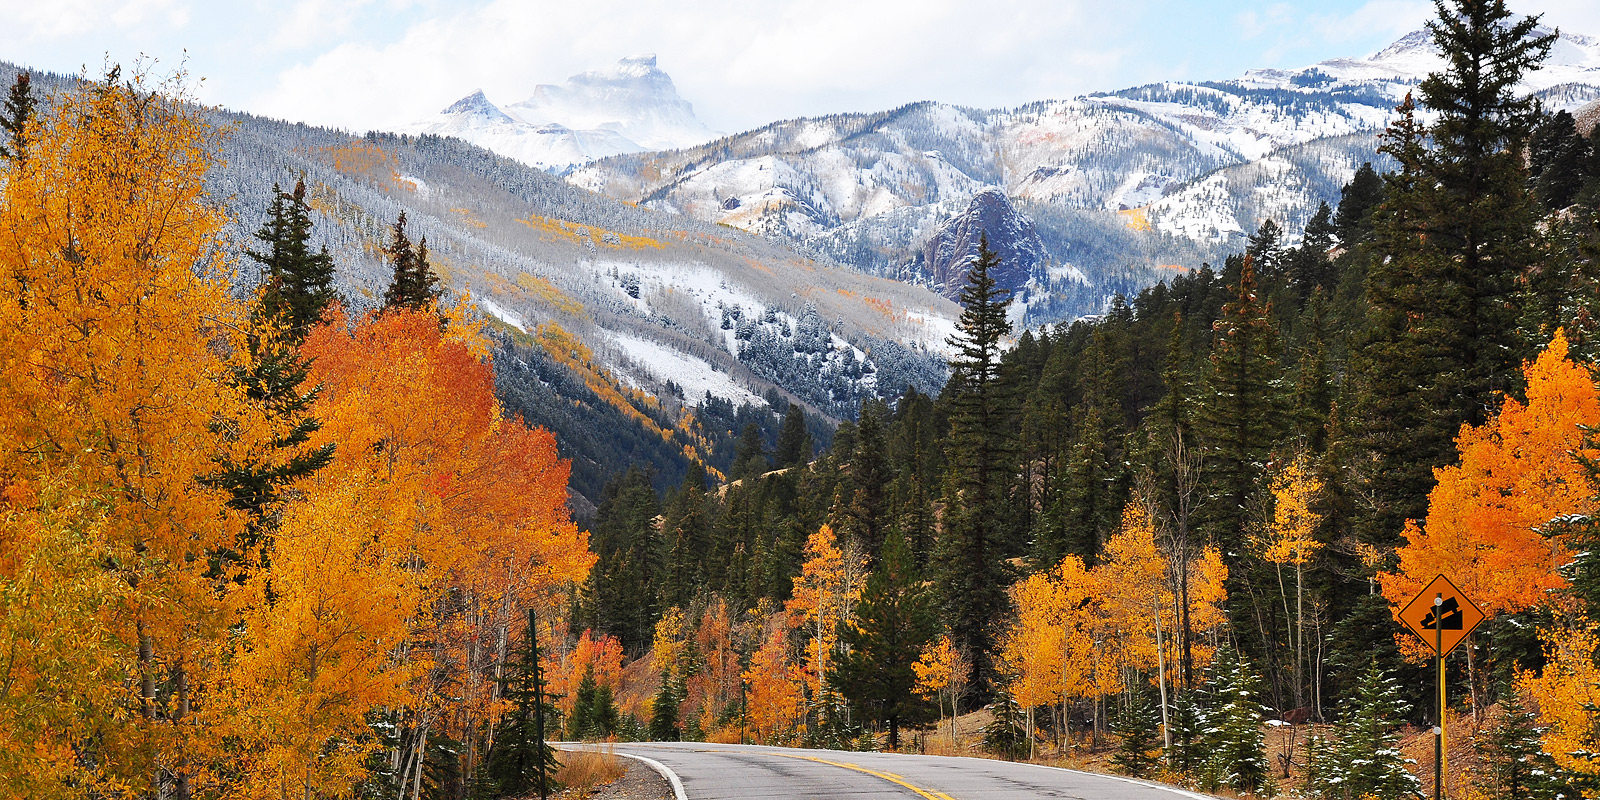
x: 477, y: 104
x: 637, y: 66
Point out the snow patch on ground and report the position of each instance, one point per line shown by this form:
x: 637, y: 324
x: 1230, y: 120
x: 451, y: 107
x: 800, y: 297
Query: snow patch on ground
x: 501, y: 314
x: 696, y: 376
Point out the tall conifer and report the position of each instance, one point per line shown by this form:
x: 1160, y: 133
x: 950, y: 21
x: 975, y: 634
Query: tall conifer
x: 970, y: 554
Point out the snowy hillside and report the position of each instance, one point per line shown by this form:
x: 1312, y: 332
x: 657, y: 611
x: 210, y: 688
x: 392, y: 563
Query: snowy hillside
x: 1120, y: 185
x: 630, y: 108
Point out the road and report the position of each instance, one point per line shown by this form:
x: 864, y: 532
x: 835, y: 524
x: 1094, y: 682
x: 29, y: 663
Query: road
x: 718, y: 771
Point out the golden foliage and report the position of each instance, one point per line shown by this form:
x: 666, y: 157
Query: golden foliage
x: 1568, y: 695
x: 1516, y: 473
x: 145, y: 655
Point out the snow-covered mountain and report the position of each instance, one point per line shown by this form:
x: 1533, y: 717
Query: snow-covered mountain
x: 630, y: 108
x: 1119, y: 184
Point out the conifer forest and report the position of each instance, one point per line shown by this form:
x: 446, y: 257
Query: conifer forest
x: 256, y: 542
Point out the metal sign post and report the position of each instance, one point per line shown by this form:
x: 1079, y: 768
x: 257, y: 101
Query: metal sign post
x: 1449, y: 616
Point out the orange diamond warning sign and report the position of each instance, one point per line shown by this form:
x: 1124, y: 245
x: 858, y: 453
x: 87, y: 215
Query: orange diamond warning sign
x: 1441, y: 614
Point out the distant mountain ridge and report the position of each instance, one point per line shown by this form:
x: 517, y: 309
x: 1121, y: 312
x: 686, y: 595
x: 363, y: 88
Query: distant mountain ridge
x: 629, y: 108
x: 1120, y: 185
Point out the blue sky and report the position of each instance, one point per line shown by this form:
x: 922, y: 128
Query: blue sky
x: 365, y: 64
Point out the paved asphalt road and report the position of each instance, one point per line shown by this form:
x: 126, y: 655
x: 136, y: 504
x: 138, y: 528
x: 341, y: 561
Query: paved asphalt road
x: 717, y: 771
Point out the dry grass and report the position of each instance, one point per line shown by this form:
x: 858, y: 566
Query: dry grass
x: 584, y: 771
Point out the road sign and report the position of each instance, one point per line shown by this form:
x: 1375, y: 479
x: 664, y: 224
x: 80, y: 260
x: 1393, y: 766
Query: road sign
x: 1457, y: 616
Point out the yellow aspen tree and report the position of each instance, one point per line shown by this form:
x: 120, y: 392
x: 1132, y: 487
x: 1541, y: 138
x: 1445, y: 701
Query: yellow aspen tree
x: 828, y: 586
x: 1133, y: 572
x: 940, y: 671
x: 118, y: 339
x: 1567, y: 692
x: 1291, y: 539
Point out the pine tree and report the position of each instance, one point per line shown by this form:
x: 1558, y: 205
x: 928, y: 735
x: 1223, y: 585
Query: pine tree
x: 970, y: 550
x: 1139, y: 728
x: 794, y: 442
x: 1514, y: 765
x: 1353, y: 221
x: 584, y: 722
x: 1364, y: 759
x: 1189, y: 720
x: 894, y: 623
x: 1241, y: 415
x: 750, y: 456
x: 1265, y: 249
x: 1482, y: 218
x: 1006, y: 735
x: 1405, y: 374
x: 19, y: 109
x: 1236, y: 748
x: 1308, y: 266
x: 521, y: 761
x: 1557, y: 181
x: 664, y: 710
x: 867, y: 513
x: 297, y: 284
x: 414, y: 284
x: 275, y: 378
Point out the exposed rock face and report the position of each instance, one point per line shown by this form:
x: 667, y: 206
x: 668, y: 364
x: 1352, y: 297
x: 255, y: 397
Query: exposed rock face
x: 945, y: 258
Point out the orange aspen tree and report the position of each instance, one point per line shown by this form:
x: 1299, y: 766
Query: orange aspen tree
x: 1290, y: 538
x: 1516, y: 473
x: 118, y: 340
x: 468, y: 505
x: 827, y: 588
x: 775, y: 699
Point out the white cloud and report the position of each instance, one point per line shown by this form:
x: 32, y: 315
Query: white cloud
x: 741, y: 63
x: 33, y: 20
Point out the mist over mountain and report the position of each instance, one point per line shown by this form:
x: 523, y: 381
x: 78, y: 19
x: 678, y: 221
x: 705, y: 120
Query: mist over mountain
x: 629, y: 108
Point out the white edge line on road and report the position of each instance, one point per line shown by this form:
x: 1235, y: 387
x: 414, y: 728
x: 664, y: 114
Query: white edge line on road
x: 666, y: 772
x: 1124, y: 779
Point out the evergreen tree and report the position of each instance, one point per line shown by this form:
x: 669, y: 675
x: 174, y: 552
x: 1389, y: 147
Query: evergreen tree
x: 1241, y: 415
x: 414, y: 284
x: 1357, y: 200
x: 1265, y: 250
x: 584, y: 722
x: 622, y: 596
x: 521, y: 762
x: 894, y: 623
x: 274, y: 378
x: 970, y: 550
x: 1308, y: 266
x: 1188, y: 720
x: 1481, y: 216
x: 1514, y: 765
x: 867, y: 514
x: 664, y: 710
x: 1006, y: 735
x: 1364, y: 761
x: 1236, y: 748
x: 297, y: 284
x: 750, y: 457
x: 18, y: 109
x: 794, y: 442
x: 1406, y: 377
x: 1139, y: 728
x: 1561, y: 178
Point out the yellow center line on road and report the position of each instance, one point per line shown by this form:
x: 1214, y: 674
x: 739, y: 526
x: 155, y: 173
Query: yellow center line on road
x: 888, y: 776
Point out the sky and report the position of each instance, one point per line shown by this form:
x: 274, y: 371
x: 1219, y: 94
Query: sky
x: 380, y: 64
